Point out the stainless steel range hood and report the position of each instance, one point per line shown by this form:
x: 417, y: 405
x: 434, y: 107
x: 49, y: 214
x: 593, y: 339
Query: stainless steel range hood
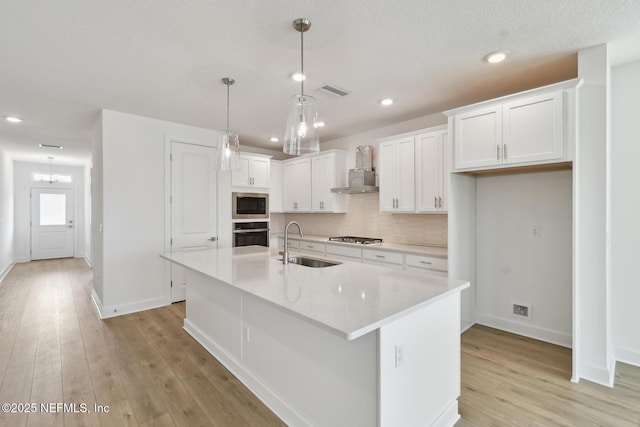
x: 360, y: 181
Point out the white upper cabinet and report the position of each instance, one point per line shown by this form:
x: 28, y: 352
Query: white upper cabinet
x: 396, y: 161
x: 308, y: 182
x: 275, y: 187
x: 328, y: 171
x: 432, y: 172
x: 297, y: 185
x: 478, y: 138
x: 253, y: 173
x: 532, y: 129
x: 517, y: 130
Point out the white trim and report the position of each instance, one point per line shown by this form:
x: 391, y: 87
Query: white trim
x: 525, y: 329
x: 627, y: 355
x: 449, y: 417
x: 6, y: 270
x: 268, y: 397
x: 597, y: 374
x: 134, y: 307
x: 97, y: 302
x: 88, y: 261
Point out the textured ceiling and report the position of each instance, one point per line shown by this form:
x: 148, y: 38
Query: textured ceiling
x: 62, y: 61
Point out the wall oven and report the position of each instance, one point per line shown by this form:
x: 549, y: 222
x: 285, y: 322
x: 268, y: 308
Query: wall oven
x: 250, y: 205
x: 251, y: 233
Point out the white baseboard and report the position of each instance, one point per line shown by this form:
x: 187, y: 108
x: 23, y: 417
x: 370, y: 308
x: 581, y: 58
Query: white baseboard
x: 599, y: 374
x: 627, y: 355
x: 268, y: 397
x: 97, y: 302
x: 527, y: 330
x: 6, y: 270
x: 87, y: 261
x: 134, y: 307
x: 449, y: 417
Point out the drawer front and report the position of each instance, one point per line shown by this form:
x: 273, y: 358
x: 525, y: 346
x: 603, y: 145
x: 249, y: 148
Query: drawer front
x: 344, y: 251
x: 294, y: 245
x: 423, y: 261
x: 383, y: 264
x: 312, y: 246
x: 382, y: 256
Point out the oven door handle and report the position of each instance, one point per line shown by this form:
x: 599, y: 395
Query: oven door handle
x: 253, y: 230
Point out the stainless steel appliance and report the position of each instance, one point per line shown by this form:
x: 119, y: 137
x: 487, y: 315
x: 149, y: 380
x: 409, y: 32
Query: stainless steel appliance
x: 354, y: 239
x: 251, y: 233
x: 250, y: 205
x: 362, y: 179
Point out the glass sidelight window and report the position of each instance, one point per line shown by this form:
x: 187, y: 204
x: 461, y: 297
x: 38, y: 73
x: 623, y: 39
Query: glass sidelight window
x: 53, y: 209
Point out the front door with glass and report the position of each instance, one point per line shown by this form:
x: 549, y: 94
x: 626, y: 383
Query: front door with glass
x: 51, y: 223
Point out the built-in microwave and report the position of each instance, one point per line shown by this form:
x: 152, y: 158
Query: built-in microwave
x: 249, y: 205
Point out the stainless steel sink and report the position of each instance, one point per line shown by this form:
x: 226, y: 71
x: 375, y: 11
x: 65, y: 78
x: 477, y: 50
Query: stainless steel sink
x: 311, y: 262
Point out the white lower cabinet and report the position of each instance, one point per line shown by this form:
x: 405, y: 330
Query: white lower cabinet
x: 312, y: 248
x: 426, y: 264
x: 383, y: 258
x: 342, y: 252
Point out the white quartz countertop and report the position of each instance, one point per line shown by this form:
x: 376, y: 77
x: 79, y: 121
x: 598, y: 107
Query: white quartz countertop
x: 435, y: 251
x: 350, y: 299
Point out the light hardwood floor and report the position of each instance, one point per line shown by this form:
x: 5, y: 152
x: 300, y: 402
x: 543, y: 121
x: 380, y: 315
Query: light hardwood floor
x: 54, y: 349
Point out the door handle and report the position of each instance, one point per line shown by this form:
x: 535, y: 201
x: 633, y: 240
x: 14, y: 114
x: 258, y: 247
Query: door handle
x: 212, y: 239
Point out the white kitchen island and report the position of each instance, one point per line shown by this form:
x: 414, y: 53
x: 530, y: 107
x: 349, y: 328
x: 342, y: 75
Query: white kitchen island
x: 345, y: 345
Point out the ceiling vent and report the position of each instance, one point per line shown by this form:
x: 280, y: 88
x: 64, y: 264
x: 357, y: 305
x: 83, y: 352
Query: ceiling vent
x: 333, y: 90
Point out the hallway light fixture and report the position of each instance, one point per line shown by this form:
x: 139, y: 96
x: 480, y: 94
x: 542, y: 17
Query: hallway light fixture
x: 228, y: 156
x: 51, y: 180
x: 301, y: 135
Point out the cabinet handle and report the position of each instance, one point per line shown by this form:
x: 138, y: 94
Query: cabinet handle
x: 425, y: 262
x: 504, y: 150
x: 435, y: 202
x: 497, y: 152
x: 310, y: 247
x: 380, y: 256
x: 439, y: 202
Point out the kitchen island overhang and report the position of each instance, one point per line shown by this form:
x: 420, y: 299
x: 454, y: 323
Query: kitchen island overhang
x: 350, y: 344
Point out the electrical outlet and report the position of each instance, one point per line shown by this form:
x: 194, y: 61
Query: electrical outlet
x: 535, y: 231
x: 399, y: 355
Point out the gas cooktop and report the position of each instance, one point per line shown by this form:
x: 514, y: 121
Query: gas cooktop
x: 353, y: 239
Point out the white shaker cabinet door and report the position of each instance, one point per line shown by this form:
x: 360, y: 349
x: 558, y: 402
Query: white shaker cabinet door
x: 532, y: 129
x: 478, y: 138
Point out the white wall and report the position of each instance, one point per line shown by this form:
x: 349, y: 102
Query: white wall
x: 512, y: 266
x: 96, y: 213
x: 625, y: 211
x: 129, y: 202
x: 23, y: 183
x: 6, y: 213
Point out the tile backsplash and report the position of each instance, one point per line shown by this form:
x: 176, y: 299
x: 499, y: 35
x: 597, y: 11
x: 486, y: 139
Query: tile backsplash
x: 363, y: 218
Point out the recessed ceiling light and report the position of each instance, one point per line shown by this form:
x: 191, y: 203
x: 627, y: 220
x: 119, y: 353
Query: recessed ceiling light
x: 318, y: 124
x: 274, y: 139
x: 495, y: 57
x: 386, y: 101
x: 59, y: 147
x: 298, y: 77
x: 13, y: 119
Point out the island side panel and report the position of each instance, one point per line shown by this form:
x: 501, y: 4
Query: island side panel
x: 326, y: 379
x: 213, y: 317
x: 420, y: 366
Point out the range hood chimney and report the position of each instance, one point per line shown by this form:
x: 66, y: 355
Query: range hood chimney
x: 362, y: 179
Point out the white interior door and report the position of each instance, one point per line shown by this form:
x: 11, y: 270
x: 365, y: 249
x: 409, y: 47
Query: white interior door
x: 51, y: 223
x: 194, y: 222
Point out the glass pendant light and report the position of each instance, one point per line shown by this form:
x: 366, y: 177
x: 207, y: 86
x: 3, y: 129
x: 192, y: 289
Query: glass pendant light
x: 301, y: 136
x: 228, y: 143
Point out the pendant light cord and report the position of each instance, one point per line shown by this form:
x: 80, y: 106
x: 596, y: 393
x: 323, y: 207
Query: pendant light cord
x: 228, y: 107
x: 302, y: 62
